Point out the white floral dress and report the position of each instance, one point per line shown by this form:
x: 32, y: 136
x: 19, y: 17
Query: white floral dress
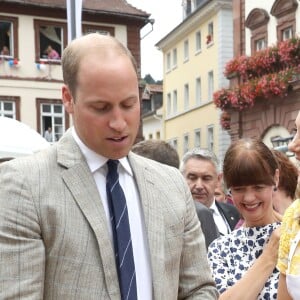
x: 230, y: 257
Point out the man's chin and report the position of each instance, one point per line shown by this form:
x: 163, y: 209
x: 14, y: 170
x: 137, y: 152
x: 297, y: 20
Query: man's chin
x: 199, y: 199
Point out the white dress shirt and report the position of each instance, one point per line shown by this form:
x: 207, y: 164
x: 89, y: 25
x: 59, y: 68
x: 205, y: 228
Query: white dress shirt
x: 220, y: 220
x: 140, y: 247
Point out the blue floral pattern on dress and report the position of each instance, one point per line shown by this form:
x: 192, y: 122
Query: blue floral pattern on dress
x: 230, y: 257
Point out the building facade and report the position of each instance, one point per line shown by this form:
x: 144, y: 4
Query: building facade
x: 195, y: 53
x: 30, y: 72
x: 267, y: 34
x: 152, y: 101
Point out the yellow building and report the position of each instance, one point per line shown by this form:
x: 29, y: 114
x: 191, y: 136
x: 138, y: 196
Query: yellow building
x: 195, y: 54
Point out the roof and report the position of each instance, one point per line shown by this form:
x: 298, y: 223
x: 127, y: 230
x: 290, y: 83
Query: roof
x: 151, y: 89
x: 154, y: 88
x: 114, y: 6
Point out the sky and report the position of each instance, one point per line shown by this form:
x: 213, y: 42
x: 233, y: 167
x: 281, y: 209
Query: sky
x: 167, y: 15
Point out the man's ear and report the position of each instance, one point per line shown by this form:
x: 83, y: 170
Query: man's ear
x: 220, y: 178
x: 67, y: 99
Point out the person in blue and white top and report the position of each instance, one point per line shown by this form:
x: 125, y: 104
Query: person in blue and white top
x: 243, y: 261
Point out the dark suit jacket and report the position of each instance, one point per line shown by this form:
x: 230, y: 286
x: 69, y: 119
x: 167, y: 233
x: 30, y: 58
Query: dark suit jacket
x: 207, y: 222
x: 230, y: 213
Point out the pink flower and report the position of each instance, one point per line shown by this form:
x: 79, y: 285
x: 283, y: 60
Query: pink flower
x: 265, y: 74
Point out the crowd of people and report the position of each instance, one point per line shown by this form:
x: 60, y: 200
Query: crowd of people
x: 126, y: 220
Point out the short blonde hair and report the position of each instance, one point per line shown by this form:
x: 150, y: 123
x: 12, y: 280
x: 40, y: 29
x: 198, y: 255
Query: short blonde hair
x: 75, y: 51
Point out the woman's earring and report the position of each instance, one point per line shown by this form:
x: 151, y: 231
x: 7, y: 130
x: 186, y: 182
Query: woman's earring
x: 275, y: 188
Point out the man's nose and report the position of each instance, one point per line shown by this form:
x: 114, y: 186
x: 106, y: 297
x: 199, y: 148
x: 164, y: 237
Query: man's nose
x: 198, y: 182
x: 117, y: 120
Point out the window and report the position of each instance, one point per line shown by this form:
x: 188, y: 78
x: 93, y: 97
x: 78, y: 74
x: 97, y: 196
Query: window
x: 257, y: 22
x: 52, y: 114
x: 210, y: 85
x: 198, y: 91
x: 168, y: 61
x: 49, y: 34
x: 198, y: 41
x: 174, y: 102
x: 10, y: 107
x: 210, y: 138
x: 186, y: 50
x: 287, y: 33
x: 146, y: 106
x: 260, y: 44
x: 199, y: 2
x: 174, y: 58
x: 210, y: 34
x: 9, y: 36
x: 174, y: 143
x: 104, y: 30
x: 197, y: 138
x: 185, y: 143
x: 188, y: 8
x: 285, y: 13
x: 169, y: 101
x: 186, y: 96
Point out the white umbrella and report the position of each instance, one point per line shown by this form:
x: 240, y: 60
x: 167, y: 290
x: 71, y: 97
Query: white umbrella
x: 18, y: 139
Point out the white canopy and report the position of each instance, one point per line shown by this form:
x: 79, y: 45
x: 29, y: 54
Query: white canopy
x: 18, y: 139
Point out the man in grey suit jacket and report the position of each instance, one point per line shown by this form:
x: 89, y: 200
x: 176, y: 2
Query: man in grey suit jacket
x: 207, y: 222
x: 55, y: 230
x: 200, y: 168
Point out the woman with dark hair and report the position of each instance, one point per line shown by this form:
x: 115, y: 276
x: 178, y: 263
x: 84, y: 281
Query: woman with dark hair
x: 289, y: 249
x: 243, y: 262
x: 288, y: 179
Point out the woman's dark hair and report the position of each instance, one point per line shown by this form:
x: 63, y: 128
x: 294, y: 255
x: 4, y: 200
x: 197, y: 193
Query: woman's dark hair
x: 288, y: 174
x: 249, y: 162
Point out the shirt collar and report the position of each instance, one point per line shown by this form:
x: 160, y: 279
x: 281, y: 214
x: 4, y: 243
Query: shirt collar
x: 96, y: 161
x: 214, y: 207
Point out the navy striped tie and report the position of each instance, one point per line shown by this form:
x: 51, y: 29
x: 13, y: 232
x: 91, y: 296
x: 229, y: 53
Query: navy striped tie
x: 121, y: 233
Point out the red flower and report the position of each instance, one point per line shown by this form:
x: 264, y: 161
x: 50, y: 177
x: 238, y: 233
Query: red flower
x: 266, y: 74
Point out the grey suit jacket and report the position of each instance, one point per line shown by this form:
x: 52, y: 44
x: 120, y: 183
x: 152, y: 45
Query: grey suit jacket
x: 230, y: 213
x: 208, y: 225
x: 54, y: 240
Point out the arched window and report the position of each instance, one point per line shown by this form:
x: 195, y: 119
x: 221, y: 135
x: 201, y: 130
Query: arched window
x: 257, y: 22
x: 284, y: 12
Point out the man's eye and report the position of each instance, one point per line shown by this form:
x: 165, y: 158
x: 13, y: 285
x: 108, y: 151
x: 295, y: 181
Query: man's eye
x: 129, y: 104
x: 101, y: 108
x: 126, y: 106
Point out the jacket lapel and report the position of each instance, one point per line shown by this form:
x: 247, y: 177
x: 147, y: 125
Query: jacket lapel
x: 82, y: 186
x: 150, y: 200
